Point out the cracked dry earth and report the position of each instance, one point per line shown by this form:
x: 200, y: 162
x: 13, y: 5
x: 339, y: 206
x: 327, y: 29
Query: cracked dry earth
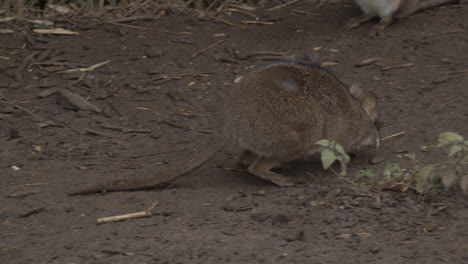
x: 152, y: 105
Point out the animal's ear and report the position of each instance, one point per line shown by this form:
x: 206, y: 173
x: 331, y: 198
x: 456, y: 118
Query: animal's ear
x: 356, y: 92
x: 370, y: 105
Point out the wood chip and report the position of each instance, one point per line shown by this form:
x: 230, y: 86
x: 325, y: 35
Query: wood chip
x: 78, y: 101
x: 405, y: 65
x: 56, y: 31
x: 6, y: 31
x: 59, y: 8
x: 367, y: 61
x: 328, y: 64
x: 87, y: 69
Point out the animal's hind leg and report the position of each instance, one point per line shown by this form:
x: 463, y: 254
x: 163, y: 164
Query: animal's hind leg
x: 262, y: 168
x: 246, y: 158
x: 357, y: 21
x: 378, y: 28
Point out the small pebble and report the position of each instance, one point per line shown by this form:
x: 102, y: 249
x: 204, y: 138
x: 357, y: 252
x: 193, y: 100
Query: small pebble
x: 153, y: 52
x: 376, y: 160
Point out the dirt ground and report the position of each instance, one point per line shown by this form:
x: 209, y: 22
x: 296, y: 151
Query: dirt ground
x: 156, y: 104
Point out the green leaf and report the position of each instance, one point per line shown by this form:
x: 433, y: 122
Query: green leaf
x: 365, y: 174
x: 327, y: 157
x: 392, y: 171
x: 323, y: 142
x: 424, y: 179
x: 346, y: 158
x: 424, y: 148
x: 449, y: 177
x: 340, y: 149
x: 454, y: 149
x: 368, y: 176
x: 449, y: 137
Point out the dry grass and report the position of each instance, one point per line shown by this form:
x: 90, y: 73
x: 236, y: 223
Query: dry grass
x: 121, y: 8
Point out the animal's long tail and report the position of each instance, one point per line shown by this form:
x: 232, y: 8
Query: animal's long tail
x: 207, y: 151
x: 425, y: 4
x: 411, y: 7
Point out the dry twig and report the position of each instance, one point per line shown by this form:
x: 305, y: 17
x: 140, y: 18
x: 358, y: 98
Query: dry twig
x: 207, y: 48
x: 305, y: 13
x: 117, y: 218
x: 283, y: 5
x: 7, y: 246
x: 257, y: 22
x: 25, y: 110
x: 394, y: 135
x: 405, y: 65
x: 227, y: 22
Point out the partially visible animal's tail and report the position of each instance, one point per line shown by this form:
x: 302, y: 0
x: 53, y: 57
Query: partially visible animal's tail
x: 206, y: 151
x: 411, y: 7
x: 425, y: 4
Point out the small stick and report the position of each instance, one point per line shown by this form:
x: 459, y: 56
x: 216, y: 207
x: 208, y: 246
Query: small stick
x: 22, y: 194
x: 207, y: 48
x: 3, y: 245
x: 456, y: 72
x: 27, y: 60
x: 367, y: 62
x: 283, y: 5
x: 175, y: 125
x: 262, y: 53
x: 95, y: 132
x: 444, y: 79
x: 117, y: 218
x: 227, y: 22
x: 136, y: 27
x: 269, y: 58
x: 305, y: 13
x: 87, y: 69
x: 25, y: 110
x: 134, y: 18
x: 240, y: 11
x: 394, y: 135
x: 154, y: 153
x: 257, y: 22
x: 342, y: 177
x: 126, y: 130
x: 406, y: 242
x: 31, y: 184
x: 31, y: 212
x: 233, y: 169
x: 405, y: 65
x: 438, y: 210
x: 194, y: 74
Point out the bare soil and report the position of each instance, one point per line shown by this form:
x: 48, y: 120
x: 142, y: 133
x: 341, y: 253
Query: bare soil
x: 157, y: 104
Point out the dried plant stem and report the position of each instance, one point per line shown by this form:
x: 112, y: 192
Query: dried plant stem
x: 394, y: 135
x: 207, y: 48
x: 117, y: 218
x: 283, y: 5
x: 25, y: 110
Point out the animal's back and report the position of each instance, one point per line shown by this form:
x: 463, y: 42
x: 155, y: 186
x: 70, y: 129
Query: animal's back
x: 283, y: 109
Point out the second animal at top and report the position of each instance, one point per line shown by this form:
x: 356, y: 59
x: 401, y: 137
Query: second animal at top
x: 388, y: 10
